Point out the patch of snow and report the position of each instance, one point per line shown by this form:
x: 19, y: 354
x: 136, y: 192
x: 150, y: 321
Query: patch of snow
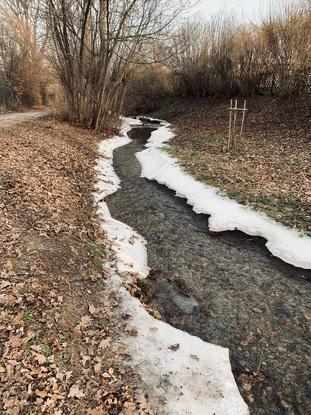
x: 157, y: 138
x: 225, y: 214
x: 196, y: 379
x: 128, y: 244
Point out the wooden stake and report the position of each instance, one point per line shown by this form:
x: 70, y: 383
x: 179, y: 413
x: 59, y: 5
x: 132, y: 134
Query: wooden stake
x: 230, y: 125
x: 234, y: 123
x: 243, y: 118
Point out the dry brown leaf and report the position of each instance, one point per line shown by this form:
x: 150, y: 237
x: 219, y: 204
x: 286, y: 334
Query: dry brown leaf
x: 109, y: 373
x: 98, y: 368
x: 75, y: 392
x: 96, y: 411
x: 84, y: 323
x: 41, y: 394
x: 174, y: 347
x: 129, y: 408
x: 132, y: 330
x: 7, y: 299
x: 40, y: 358
x: 93, y: 310
x: 84, y: 360
x: 15, y: 341
x: 104, y: 343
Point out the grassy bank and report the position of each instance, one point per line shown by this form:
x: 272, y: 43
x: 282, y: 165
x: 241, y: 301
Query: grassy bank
x: 270, y: 169
x: 57, y: 328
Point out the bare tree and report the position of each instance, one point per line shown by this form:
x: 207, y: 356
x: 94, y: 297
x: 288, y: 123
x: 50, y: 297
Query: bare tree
x: 26, y: 9
x: 205, y: 67
x: 286, y: 32
x: 23, y: 68
x: 95, y: 45
x: 223, y: 57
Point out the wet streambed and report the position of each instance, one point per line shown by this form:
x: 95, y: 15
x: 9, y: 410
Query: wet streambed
x: 224, y: 288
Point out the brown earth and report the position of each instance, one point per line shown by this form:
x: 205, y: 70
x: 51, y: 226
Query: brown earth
x: 271, y: 168
x: 58, y: 331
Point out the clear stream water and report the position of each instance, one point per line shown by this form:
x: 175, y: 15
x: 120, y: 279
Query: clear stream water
x: 225, y: 288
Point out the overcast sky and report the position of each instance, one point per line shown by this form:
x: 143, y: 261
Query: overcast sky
x: 245, y: 9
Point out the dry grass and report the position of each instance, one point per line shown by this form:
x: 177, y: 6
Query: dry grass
x: 269, y: 171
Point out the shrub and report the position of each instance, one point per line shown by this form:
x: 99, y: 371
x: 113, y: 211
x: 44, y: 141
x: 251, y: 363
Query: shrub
x: 148, y: 85
x: 222, y: 57
x: 23, y: 68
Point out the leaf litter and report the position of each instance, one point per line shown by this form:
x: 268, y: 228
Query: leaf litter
x: 58, y: 333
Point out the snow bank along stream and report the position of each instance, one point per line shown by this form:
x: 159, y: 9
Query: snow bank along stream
x: 195, y: 379
x: 225, y: 288
x: 225, y: 214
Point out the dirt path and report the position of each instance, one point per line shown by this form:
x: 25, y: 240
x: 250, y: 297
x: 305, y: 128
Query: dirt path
x: 226, y: 289
x: 7, y: 120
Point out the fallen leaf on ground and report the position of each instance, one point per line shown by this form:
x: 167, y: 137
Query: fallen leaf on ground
x: 174, y: 347
x: 75, y: 392
x: 93, y: 310
x: 15, y: 341
x: 96, y: 411
x: 104, y: 343
x: 40, y: 358
x: 153, y: 329
x: 84, y: 323
x: 132, y: 330
x: 98, y: 368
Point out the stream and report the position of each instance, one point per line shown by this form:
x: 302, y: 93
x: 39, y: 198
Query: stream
x: 225, y: 288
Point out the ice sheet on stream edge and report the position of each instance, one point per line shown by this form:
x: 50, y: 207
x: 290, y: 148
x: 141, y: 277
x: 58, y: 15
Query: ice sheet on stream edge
x: 225, y: 214
x: 196, y: 379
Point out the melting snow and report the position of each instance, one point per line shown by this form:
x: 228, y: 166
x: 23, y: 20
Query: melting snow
x: 130, y: 255
x: 196, y: 379
x: 226, y: 214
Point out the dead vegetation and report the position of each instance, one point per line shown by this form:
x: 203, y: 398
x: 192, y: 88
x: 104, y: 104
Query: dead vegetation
x: 24, y: 71
x: 224, y: 57
x: 58, y: 331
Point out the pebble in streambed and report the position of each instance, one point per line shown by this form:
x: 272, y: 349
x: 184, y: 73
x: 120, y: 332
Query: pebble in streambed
x: 224, y: 288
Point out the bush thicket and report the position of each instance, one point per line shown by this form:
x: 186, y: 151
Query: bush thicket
x: 24, y: 73
x: 224, y: 58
